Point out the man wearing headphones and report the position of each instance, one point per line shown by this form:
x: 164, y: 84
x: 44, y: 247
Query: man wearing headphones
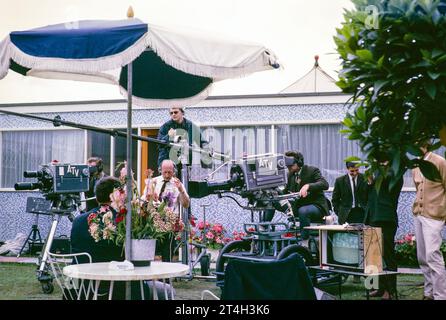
x: 96, y: 167
x: 177, y: 128
x: 308, y: 181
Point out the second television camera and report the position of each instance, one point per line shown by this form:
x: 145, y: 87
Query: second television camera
x: 59, y: 183
x: 259, y: 178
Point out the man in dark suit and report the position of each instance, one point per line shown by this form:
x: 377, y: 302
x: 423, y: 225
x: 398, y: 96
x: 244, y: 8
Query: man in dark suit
x: 350, y: 196
x: 308, y: 181
x: 382, y: 212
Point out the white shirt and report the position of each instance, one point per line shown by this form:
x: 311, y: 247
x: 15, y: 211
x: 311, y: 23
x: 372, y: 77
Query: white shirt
x: 353, y: 190
x: 157, y: 184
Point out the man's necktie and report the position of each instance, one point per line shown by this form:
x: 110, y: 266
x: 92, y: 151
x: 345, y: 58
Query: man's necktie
x: 354, y: 193
x: 163, y: 187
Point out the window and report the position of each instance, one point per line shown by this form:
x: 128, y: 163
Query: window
x: 322, y: 146
x: 98, y: 145
x: 121, y: 152
x: 26, y: 150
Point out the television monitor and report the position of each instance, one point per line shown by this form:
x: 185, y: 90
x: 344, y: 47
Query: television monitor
x: 344, y: 248
x: 354, y: 249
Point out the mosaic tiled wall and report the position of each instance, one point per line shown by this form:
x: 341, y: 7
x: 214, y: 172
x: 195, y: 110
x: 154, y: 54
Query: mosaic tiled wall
x: 229, y: 115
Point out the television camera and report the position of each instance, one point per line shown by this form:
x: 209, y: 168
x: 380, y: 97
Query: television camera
x: 61, y: 185
x: 261, y: 179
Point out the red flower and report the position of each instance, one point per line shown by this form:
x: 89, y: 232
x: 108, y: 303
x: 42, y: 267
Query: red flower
x: 288, y: 235
x: 119, y: 218
x: 91, y: 217
x: 192, y: 221
x: 123, y: 211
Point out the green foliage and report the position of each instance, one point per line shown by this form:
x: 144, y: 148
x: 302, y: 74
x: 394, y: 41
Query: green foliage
x: 397, y: 76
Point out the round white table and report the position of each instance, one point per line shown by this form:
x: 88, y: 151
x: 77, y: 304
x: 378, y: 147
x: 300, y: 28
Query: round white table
x: 98, y: 272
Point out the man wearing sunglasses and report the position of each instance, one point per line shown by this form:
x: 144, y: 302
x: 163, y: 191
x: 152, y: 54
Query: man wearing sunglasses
x: 350, y: 196
x: 175, y: 130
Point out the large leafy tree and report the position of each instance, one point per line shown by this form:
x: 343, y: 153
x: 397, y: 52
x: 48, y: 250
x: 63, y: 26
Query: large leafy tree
x: 394, y: 64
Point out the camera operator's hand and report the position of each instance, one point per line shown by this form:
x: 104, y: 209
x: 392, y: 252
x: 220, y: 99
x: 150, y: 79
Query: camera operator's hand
x: 304, y: 191
x: 172, y: 132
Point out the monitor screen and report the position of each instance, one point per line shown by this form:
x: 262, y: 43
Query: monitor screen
x: 343, y: 248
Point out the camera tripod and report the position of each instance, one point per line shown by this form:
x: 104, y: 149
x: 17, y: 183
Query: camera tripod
x: 59, y: 208
x: 203, y: 257
x: 37, y: 206
x: 34, y: 238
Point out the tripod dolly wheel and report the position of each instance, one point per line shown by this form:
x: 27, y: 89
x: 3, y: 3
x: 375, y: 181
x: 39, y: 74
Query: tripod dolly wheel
x: 205, y: 264
x: 302, y: 251
x: 47, y: 287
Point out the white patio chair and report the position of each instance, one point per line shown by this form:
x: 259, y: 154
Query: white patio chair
x: 71, y: 288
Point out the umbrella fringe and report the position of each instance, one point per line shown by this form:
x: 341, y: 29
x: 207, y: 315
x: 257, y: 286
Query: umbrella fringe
x: 86, y: 66
x: 168, y: 103
x: 90, y: 66
x: 262, y: 62
x: 4, y: 57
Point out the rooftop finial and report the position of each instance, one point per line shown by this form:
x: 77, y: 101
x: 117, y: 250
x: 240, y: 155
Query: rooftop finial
x: 130, y: 13
x: 316, y: 61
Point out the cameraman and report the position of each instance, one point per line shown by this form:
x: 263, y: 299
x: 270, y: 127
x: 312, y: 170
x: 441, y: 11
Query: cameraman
x: 177, y: 128
x: 96, y: 167
x: 308, y: 181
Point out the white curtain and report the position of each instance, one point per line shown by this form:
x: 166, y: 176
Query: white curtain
x: 26, y: 150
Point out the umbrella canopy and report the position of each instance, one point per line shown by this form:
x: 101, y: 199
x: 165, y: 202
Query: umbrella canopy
x: 171, y: 67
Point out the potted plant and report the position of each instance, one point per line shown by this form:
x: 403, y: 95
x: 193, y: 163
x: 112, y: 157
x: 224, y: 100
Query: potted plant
x: 213, y: 236
x: 152, y: 220
x: 406, y: 251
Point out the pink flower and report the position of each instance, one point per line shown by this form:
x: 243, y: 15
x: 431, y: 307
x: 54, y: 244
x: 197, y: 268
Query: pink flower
x: 209, y: 235
x: 218, y: 228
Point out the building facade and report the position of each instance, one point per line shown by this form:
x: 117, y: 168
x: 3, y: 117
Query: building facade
x: 235, y: 125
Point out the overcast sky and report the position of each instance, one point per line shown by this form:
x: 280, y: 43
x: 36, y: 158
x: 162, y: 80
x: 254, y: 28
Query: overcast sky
x: 295, y: 30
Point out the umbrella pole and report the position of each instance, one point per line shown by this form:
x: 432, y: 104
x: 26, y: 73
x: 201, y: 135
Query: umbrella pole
x: 128, y: 227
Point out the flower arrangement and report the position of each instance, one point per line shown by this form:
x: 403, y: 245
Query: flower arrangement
x: 101, y: 225
x: 406, y: 251
x: 214, y: 236
x: 151, y: 218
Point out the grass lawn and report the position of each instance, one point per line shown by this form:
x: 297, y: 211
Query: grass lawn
x: 19, y: 282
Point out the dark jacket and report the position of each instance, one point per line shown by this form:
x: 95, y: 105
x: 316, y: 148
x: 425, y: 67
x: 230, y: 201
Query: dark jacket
x: 102, y: 251
x: 82, y: 241
x: 342, y: 198
x: 312, y: 176
x: 383, y: 207
x: 192, y: 130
